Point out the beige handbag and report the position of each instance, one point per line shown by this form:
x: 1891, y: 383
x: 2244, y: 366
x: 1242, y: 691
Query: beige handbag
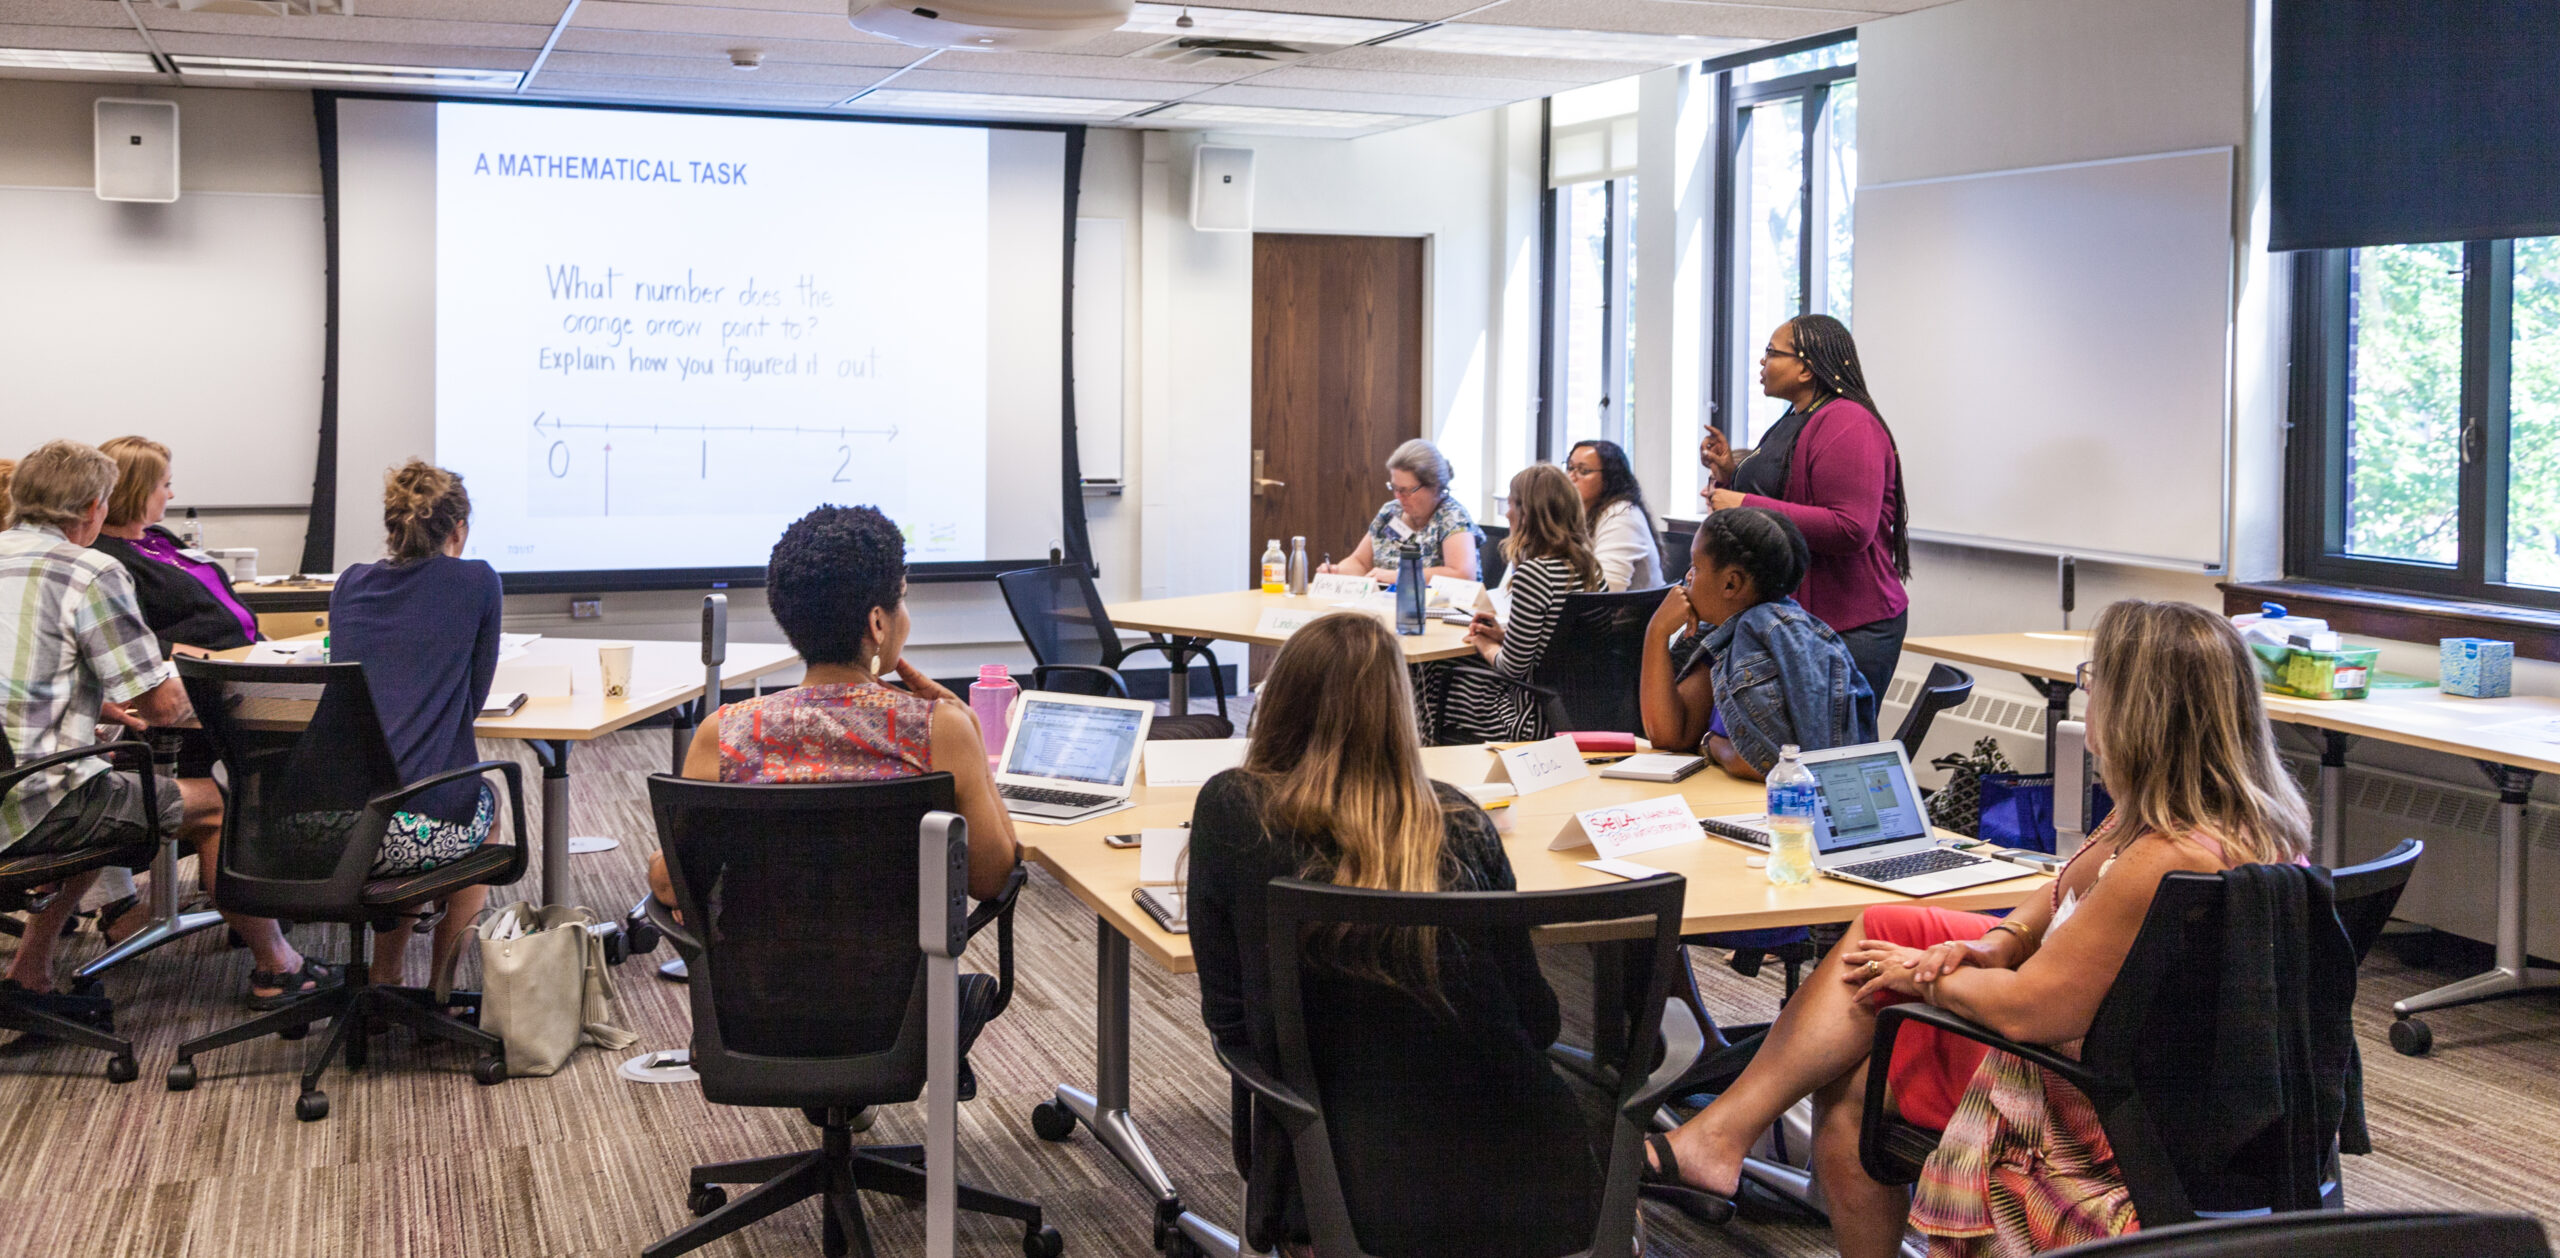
x: 544, y: 987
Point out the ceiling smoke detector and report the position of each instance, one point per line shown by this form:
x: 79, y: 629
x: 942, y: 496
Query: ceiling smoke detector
x: 989, y: 25
x: 745, y: 58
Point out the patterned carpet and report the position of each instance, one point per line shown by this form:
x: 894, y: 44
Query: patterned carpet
x: 417, y: 1160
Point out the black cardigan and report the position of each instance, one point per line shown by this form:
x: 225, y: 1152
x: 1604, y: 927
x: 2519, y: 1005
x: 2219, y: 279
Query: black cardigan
x: 175, y: 605
x: 1450, y: 1136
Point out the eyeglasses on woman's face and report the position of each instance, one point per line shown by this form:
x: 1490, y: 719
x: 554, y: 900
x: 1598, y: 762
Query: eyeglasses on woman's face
x: 2085, y: 677
x: 1405, y: 493
x: 1772, y: 351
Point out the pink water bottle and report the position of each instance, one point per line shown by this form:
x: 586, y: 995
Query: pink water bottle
x: 991, y: 696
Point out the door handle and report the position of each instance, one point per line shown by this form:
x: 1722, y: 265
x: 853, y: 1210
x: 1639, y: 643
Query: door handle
x: 1262, y: 482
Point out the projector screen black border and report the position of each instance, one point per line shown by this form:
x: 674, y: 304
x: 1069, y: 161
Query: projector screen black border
x: 319, y: 541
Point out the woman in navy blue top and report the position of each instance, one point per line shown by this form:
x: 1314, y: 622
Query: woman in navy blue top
x: 424, y: 623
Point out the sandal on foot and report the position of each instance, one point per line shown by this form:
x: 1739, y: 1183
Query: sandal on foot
x: 110, y: 914
x: 86, y: 1003
x: 1661, y: 1181
x: 312, y: 979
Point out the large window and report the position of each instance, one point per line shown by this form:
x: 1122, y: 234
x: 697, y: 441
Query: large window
x: 1789, y: 170
x: 2425, y: 442
x: 1588, y: 390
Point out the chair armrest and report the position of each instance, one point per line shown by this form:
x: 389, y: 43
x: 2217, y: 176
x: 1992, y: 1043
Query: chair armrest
x: 1293, y: 1110
x: 25, y: 769
x: 663, y: 916
x: 1683, y: 1042
x: 1889, y: 1022
x: 390, y: 801
x: 998, y: 909
x: 1110, y: 677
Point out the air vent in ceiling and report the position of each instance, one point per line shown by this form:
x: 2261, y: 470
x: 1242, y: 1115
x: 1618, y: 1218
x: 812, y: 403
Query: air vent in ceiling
x: 1191, y: 48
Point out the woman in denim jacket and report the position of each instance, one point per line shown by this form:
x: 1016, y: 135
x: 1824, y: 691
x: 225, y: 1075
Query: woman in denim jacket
x: 1766, y: 673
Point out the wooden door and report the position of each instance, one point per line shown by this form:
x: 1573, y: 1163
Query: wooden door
x: 1337, y: 383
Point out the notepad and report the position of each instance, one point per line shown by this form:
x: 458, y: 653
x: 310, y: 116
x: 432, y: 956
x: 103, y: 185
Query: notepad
x: 1656, y: 766
x: 502, y: 704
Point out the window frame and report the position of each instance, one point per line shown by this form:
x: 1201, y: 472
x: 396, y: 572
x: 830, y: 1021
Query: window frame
x: 1726, y: 298
x: 2316, y: 488
x: 1617, y: 308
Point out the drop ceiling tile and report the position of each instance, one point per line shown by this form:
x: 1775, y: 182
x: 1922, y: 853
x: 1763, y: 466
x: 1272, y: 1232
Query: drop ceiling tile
x: 1401, y: 60
x: 1673, y: 17
x: 716, y: 47
x: 1479, y: 87
x: 350, y: 30
x: 65, y: 13
x: 1371, y: 102
x: 542, y: 12
x: 627, y: 15
x: 78, y: 38
x: 1097, y: 67
x: 595, y: 85
x: 932, y: 78
x: 1110, y: 44
x: 703, y: 69
x: 334, y: 50
x: 1401, y: 10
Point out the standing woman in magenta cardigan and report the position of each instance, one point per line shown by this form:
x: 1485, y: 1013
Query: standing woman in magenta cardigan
x: 1831, y: 466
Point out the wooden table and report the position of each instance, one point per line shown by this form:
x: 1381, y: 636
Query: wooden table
x: 665, y: 676
x: 1723, y: 894
x: 1236, y: 617
x: 2427, y: 718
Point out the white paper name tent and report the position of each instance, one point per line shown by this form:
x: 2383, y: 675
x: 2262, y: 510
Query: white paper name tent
x: 1280, y: 622
x: 1623, y: 830
x: 1455, y: 591
x: 1534, y: 767
x: 1164, y: 855
x: 1191, y: 761
x: 1337, y: 585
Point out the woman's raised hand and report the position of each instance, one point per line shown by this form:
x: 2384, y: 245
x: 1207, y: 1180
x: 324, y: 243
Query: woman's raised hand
x: 1716, y: 455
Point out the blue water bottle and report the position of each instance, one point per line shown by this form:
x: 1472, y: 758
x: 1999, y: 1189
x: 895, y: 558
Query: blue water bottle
x: 1413, y: 593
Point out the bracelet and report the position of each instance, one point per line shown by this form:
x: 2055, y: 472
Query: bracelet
x: 2015, y: 929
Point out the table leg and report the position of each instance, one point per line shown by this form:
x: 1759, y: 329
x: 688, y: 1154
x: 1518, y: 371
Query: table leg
x: 2057, y: 709
x: 166, y: 923
x: 554, y: 755
x: 2333, y: 774
x: 1105, y: 1110
x: 2514, y: 975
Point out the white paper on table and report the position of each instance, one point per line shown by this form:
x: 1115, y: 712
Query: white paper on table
x: 1628, y: 870
x: 1341, y: 585
x: 1626, y: 829
x: 1459, y: 592
x: 1164, y: 855
x: 2541, y: 729
x: 538, y: 681
x: 1533, y: 767
x: 1495, y: 602
x: 1190, y: 761
x: 515, y: 646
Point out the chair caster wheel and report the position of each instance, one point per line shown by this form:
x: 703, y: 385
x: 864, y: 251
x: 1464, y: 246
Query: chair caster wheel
x: 706, y: 1199
x: 1045, y: 1243
x: 294, y: 1032
x: 2412, y: 1038
x: 123, y: 1069
x: 311, y: 1107
x: 182, y: 1077
x: 489, y: 1071
x: 1053, y: 1122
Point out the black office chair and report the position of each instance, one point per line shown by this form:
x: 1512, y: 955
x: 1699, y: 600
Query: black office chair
x: 312, y: 788
x: 1676, y: 544
x: 809, y: 986
x: 1588, y: 680
x: 21, y: 877
x: 2157, y: 1023
x: 2330, y: 1234
x: 1063, y: 621
x: 1947, y: 686
x: 1490, y: 564
x: 1652, y: 1049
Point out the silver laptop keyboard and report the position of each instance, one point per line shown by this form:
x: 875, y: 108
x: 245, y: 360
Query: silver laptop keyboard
x: 1893, y: 868
x: 1047, y: 795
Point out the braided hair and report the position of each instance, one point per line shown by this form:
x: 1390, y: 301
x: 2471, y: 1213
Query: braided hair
x: 1764, y: 544
x: 1824, y: 346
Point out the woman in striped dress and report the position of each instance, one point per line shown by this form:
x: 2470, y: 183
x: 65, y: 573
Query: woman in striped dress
x: 1549, y: 550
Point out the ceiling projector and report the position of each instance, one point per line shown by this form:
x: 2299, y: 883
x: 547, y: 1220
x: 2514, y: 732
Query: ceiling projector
x: 989, y: 25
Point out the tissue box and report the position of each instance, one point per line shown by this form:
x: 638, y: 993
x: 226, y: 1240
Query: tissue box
x: 2477, y: 668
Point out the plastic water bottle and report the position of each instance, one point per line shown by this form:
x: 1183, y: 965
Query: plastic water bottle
x: 195, y: 531
x: 991, y: 697
x: 1297, y: 565
x: 1792, y: 799
x: 1275, y: 568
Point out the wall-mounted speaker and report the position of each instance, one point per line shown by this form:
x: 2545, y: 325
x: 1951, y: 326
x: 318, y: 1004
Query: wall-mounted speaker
x: 1222, y: 189
x: 137, y: 142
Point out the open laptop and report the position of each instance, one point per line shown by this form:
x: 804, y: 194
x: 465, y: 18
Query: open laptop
x: 1872, y: 829
x: 1070, y: 757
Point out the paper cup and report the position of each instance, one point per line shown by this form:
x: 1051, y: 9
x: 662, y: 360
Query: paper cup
x: 615, y: 662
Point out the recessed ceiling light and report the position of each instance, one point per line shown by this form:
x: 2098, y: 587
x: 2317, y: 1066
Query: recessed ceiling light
x: 1167, y: 19
x: 906, y: 100
x: 1267, y: 116
x: 196, y: 67
x: 68, y: 59
x: 745, y: 58
x: 1484, y: 39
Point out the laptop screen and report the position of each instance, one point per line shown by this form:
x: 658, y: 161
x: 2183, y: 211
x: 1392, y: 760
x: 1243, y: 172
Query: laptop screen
x: 1074, y: 742
x: 1866, y: 799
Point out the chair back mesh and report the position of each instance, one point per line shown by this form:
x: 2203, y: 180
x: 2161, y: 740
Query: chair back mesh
x: 804, y: 898
x: 305, y: 753
x: 1060, y: 615
x: 1595, y: 661
x: 1946, y: 687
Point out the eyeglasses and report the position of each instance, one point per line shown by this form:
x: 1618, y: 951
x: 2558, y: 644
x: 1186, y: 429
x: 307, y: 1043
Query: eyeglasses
x: 1772, y: 351
x: 2085, y: 676
x: 1408, y: 493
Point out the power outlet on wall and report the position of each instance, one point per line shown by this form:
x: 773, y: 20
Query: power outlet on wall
x: 586, y: 609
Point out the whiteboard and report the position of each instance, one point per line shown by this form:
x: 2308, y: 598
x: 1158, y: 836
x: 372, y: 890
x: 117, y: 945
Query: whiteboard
x: 1100, y: 310
x: 2052, y: 348
x: 198, y: 324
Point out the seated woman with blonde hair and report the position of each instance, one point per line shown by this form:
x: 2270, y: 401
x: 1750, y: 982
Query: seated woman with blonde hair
x: 2182, y: 742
